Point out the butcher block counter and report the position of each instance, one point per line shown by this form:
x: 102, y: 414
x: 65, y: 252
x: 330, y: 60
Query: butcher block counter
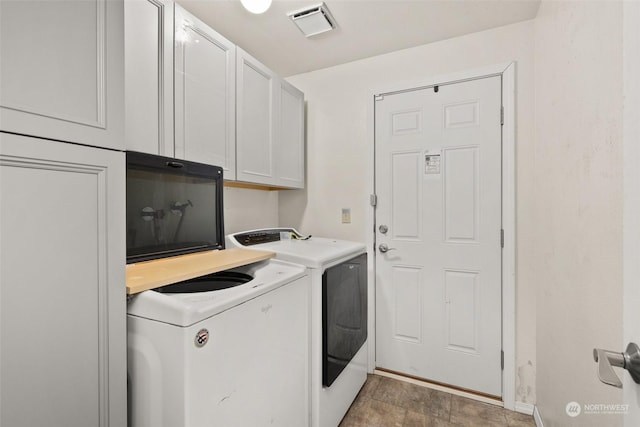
x: 152, y: 274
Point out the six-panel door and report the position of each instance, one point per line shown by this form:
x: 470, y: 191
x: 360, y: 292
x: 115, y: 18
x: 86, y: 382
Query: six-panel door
x: 438, y: 181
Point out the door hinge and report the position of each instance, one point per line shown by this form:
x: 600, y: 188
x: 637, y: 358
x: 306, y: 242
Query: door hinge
x: 502, y: 115
x: 378, y: 97
x: 502, y: 238
x: 502, y: 359
x: 373, y: 200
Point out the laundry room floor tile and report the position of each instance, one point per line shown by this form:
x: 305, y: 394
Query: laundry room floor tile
x: 465, y: 412
x: 392, y: 403
x: 374, y: 413
x: 516, y: 419
x: 414, y: 397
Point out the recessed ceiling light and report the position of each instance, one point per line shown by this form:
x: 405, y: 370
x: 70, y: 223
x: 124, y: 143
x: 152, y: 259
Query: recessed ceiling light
x: 313, y: 20
x: 256, y: 6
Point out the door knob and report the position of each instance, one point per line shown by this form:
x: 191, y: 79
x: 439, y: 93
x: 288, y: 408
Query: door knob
x: 384, y: 248
x: 629, y: 360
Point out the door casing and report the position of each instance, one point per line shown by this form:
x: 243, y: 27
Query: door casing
x: 507, y: 71
x: 631, y: 215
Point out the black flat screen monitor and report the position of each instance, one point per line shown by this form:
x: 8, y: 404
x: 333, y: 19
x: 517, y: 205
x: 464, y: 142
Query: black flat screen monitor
x: 174, y: 207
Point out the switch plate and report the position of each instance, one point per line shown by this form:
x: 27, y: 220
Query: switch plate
x: 346, y: 216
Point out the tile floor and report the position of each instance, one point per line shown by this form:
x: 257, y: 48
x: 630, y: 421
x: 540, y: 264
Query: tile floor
x: 385, y: 402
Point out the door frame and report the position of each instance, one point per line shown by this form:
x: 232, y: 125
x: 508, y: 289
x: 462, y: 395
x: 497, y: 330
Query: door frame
x: 631, y: 201
x: 507, y: 72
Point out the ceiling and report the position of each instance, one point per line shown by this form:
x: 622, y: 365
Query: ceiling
x: 365, y: 28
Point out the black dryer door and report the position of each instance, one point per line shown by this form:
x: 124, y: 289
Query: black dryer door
x: 344, y: 315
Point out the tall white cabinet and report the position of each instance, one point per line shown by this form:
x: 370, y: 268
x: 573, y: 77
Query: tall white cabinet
x: 62, y: 231
x: 62, y: 293
x: 205, y: 94
x: 61, y: 70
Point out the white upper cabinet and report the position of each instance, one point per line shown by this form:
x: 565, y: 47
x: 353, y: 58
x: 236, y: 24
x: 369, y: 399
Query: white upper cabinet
x: 290, y: 136
x: 256, y: 106
x: 205, y: 94
x: 270, y: 126
x: 148, y: 52
x: 61, y: 70
x: 229, y: 110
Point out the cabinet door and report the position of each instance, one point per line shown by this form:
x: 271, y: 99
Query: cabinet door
x: 205, y: 94
x: 61, y: 70
x: 62, y: 292
x: 290, y: 136
x: 148, y: 68
x: 255, y: 117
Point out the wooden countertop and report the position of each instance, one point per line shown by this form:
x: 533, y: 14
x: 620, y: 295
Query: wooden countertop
x: 152, y: 274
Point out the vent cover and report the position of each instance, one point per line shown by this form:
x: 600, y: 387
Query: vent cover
x: 313, y: 20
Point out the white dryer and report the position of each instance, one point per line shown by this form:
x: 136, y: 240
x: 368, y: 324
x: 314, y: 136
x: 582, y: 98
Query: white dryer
x: 339, y: 354
x: 228, y: 357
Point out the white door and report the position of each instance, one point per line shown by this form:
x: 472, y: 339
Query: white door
x: 438, y: 181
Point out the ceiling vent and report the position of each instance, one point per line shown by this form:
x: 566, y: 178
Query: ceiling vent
x: 313, y: 20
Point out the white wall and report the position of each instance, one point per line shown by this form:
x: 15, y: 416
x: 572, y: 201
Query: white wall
x: 247, y: 209
x: 578, y: 204
x: 338, y: 149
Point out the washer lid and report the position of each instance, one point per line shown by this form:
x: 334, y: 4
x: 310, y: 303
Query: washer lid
x: 313, y: 252
x: 316, y: 252
x: 189, y: 308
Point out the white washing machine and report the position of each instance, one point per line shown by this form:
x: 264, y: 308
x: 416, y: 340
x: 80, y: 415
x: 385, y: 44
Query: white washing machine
x: 338, y: 271
x: 228, y: 357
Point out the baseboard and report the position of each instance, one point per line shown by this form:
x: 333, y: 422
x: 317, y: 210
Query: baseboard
x: 524, y: 408
x: 537, y: 418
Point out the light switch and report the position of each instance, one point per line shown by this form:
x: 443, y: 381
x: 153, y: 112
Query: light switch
x: 346, y: 216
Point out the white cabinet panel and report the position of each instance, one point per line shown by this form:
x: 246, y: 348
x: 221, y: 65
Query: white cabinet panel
x: 205, y: 94
x: 255, y: 116
x: 62, y: 293
x: 61, y: 70
x: 290, y: 137
x: 270, y: 120
x: 149, y: 76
